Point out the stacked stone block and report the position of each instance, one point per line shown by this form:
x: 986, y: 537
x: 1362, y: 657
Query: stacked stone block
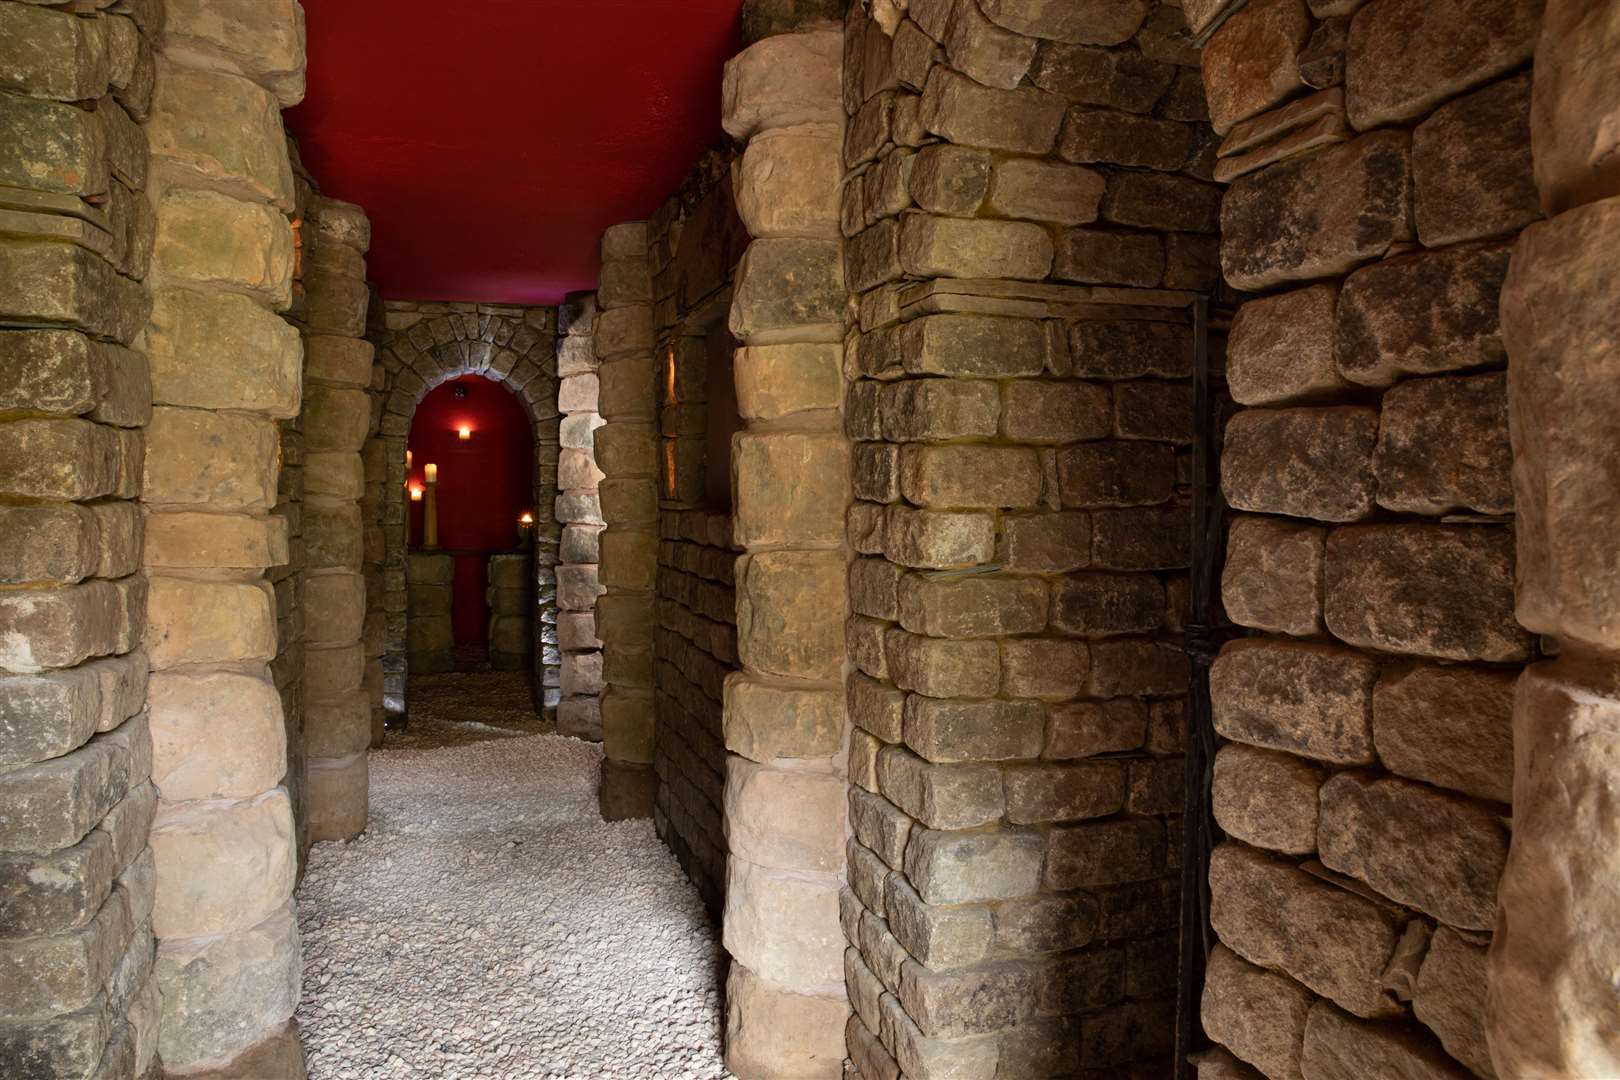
x: 785, y: 793
x: 511, y: 616
x: 1549, y: 1004
x: 336, y: 422
x: 77, y: 997
x: 430, y: 638
x: 579, y: 512
x: 1026, y: 207
x: 225, y: 369
x: 626, y: 453
x: 1380, y: 159
x: 420, y: 345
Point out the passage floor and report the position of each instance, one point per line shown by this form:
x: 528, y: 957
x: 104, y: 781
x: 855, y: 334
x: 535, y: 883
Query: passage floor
x: 490, y: 924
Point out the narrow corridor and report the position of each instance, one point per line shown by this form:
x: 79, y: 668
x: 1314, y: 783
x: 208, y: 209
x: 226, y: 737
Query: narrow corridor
x: 490, y: 924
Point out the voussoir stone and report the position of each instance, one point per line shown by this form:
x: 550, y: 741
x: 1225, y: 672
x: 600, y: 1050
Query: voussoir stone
x: 1320, y: 215
x: 1406, y: 56
x: 1313, y: 700
x: 1463, y: 609
x: 1304, y: 462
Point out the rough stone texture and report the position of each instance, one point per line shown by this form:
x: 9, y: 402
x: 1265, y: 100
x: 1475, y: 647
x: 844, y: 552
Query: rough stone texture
x: 1422, y: 314
x: 1272, y: 579
x: 1266, y: 798
x: 1317, y: 216
x: 1450, y: 998
x: 1574, y: 100
x: 1280, y: 349
x: 770, y: 1029
x: 1443, y: 446
x: 1250, y: 63
x: 1449, y: 726
x: 1471, y: 166
x: 1309, y: 463
x: 1024, y: 120
x: 1339, y: 1047
x: 1259, y: 1014
x: 782, y: 81
x: 1406, y: 56
x: 1463, y: 611
x: 1313, y: 700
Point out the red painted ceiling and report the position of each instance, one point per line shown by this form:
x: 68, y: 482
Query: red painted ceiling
x: 491, y: 141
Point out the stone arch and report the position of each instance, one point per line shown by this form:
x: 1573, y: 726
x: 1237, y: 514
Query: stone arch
x: 419, y: 347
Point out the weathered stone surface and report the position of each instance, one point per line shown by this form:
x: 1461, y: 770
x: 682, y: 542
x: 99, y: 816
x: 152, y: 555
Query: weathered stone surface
x: 1109, y: 257
x: 949, y: 606
x: 1451, y: 726
x: 764, y: 720
x: 205, y: 238
x: 189, y: 330
x: 1406, y: 56
x: 1560, y: 333
x: 1024, y: 120
x: 942, y: 668
x: 958, y: 867
x: 807, y: 512
x: 51, y: 54
x: 65, y: 285
x: 1258, y: 1014
x: 1304, y: 462
x: 222, y: 130
x: 1156, y: 200
x: 789, y: 290
x: 1317, y: 216
x: 222, y: 461
x: 190, y: 622
x: 1339, y: 1047
x: 195, y: 755
x: 959, y: 731
x: 1046, y: 191
x: 1443, y: 446
x: 1278, y: 916
x: 1089, y: 22
x: 1052, y: 412
x: 1549, y: 993
x: 1115, y: 473
x: 1425, y: 848
x: 1043, y: 793
x: 783, y: 81
x: 790, y: 613
x: 1121, y: 138
x: 777, y: 380
x: 1266, y: 798
x: 940, y: 796
x: 1250, y: 63
x: 950, y: 179
x: 265, y: 42
x: 771, y: 1031
x: 933, y: 246
x: 1281, y: 348
x: 784, y: 926
x: 1321, y: 62
x: 970, y: 476
x: 1422, y: 314
x: 222, y: 994
x: 1104, y: 853
x: 1118, y: 79
x: 1313, y: 700
x: 1463, y: 611
x: 1575, y: 95
x: 1272, y: 579
x: 791, y: 820
x: 1084, y: 728
x: 971, y: 1001
x: 786, y: 182
x: 336, y: 417
x: 1471, y: 166
x: 1450, y: 998
x: 54, y: 147
x: 221, y: 867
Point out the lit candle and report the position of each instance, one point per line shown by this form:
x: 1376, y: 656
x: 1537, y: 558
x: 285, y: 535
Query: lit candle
x: 407, y: 459
x: 526, y: 518
x: 431, y: 472
x: 416, y: 493
x: 464, y: 431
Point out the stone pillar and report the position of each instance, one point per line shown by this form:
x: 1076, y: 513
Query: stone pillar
x: 336, y: 422
x: 430, y: 638
x: 76, y: 799
x: 579, y: 512
x: 225, y: 369
x: 1552, y: 993
x: 626, y: 454
x: 511, y: 615
x: 1380, y: 168
x: 785, y: 796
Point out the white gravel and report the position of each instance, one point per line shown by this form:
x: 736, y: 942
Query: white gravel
x: 490, y: 924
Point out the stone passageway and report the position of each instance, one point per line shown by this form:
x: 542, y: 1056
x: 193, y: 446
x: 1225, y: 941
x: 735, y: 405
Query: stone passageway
x: 490, y: 924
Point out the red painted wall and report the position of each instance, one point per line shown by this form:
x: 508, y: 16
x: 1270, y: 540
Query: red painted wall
x: 485, y: 482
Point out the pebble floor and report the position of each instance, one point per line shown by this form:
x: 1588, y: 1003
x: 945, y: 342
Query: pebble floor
x: 490, y: 924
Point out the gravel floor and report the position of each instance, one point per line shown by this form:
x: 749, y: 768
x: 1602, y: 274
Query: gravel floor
x: 490, y: 924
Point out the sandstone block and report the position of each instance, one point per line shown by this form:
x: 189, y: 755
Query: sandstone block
x: 1050, y: 412
x: 334, y: 608
x: 1110, y: 257
x: 935, y: 246
x: 970, y: 476
x: 1119, y: 473
x: 1303, y: 462
x: 55, y: 147
x: 213, y: 240
x: 1443, y: 446
x: 1450, y: 998
x: 1090, y: 22
x: 788, y: 290
x: 51, y: 54
x: 1450, y: 726
x: 1465, y: 611
x: 1334, y: 941
x: 786, y: 182
x: 1259, y: 1014
x: 68, y: 373
x: 264, y: 43
x: 1574, y: 96
x: 221, y: 994
x: 222, y: 130
x: 1122, y: 138
x: 771, y: 1031
x: 937, y: 540
x: 765, y: 720
x: 197, y: 753
x: 54, y: 542
x: 783, y: 81
x: 1046, y: 191
x: 973, y: 345
x: 1155, y: 200
x: 1103, y: 853
x: 223, y: 461
x: 336, y: 418
x: 199, y: 622
x: 940, y: 668
x: 1338, y: 1047
x: 623, y: 330
x: 1023, y: 120
x: 221, y: 867
x: 1251, y: 62
x: 949, y: 179
x: 209, y: 541
x: 1319, y: 215
x: 790, y: 613
x: 1266, y: 798
x: 1049, y: 793
x: 1313, y: 700
x: 1471, y: 166
x: 806, y: 512
x: 970, y: 1001
x: 1404, y: 58
x: 1281, y: 348
x: 784, y: 926
x: 957, y: 867
x: 1130, y: 350
x: 1273, y: 575
x: 779, y: 380
x: 1421, y: 315
x: 940, y: 796
x: 1084, y: 728
x: 959, y: 607
x: 53, y: 804
x: 1425, y: 848
x: 938, y: 936
x: 1119, y: 79
x: 959, y: 731
x: 66, y: 285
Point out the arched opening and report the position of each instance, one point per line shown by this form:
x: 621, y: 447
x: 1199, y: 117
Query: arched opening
x: 477, y: 513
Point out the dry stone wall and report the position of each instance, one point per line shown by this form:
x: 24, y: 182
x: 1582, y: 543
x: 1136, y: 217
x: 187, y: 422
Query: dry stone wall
x: 1379, y: 156
x: 1027, y: 208
x: 77, y: 996
x: 421, y: 344
x: 579, y: 513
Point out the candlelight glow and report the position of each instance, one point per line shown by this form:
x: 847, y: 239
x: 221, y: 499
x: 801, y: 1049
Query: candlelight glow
x: 525, y: 518
x: 407, y: 459
x: 416, y: 493
x: 464, y: 432
x: 431, y: 472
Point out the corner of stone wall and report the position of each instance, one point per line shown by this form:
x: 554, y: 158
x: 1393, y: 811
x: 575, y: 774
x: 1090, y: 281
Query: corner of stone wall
x: 579, y: 513
x: 786, y: 788
x: 77, y: 996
